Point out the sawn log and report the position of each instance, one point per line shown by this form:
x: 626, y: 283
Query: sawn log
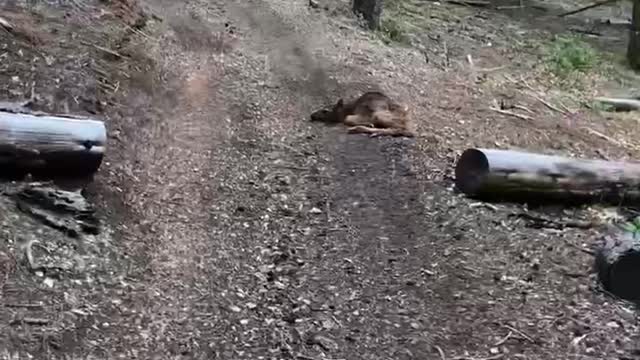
x: 50, y: 145
x: 617, y: 262
x: 521, y: 176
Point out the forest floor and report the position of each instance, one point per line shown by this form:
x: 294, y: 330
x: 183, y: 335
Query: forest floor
x: 237, y: 229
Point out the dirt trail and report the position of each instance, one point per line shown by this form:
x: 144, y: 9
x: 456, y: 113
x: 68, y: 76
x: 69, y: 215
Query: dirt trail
x: 245, y: 219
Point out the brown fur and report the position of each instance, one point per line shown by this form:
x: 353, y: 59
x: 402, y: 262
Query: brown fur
x: 373, y: 113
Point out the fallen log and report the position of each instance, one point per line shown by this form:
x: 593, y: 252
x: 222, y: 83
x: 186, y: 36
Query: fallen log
x: 617, y: 263
x: 620, y: 104
x: 521, y: 176
x: 50, y: 145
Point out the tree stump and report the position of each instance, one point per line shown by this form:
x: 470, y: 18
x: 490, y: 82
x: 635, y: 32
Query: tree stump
x: 370, y: 10
x: 633, y: 51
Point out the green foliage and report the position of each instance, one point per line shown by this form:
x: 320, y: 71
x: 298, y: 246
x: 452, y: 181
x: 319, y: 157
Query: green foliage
x: 567, y: 55
x: 393, y: 30
x: 397, y: 20
x: 632, y: 227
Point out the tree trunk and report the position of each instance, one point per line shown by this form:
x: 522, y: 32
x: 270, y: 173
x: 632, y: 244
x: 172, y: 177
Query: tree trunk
x: 633, y: 51
x: 617, y: 262
x: 521, y: 176
x: 370, y: 10
x: 54, y: 146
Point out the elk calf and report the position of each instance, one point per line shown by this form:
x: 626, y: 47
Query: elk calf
x: 373, y: 113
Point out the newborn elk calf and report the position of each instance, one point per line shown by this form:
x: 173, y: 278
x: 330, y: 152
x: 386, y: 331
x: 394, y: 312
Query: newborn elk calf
x: 373, y: 113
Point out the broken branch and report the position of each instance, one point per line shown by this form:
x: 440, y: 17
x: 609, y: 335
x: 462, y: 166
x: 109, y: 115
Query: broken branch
x: 585, y: 8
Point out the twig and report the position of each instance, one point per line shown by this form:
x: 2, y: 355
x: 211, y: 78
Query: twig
x: 607, y: 138
x: 26, y: 306
x: 504, y: 339
x: 446, y: 54
x: 554, y: 108
x: 109, y: 51
x: 441, y: 352
x: 29, y: 253
x: 483, y: 204
x: 523, y: 108
x: 565, y: 108
x: 30, y: 321
x: 491, y: 69
x: 538, y: 222
x: 586, y: 251
x: 475, y: 358
x: 585, y: 8
x: 510, y: 113
x: 519, y: 332
x: 470, y: 60
x: 6, y: 24
x: 602, y: 155
x: 104, y: 49
x: 478, y: 3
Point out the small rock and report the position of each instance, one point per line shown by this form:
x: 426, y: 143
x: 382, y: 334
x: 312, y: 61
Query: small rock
x: 314, y: 4
x: 322, y: 341
x: 244, y: 321
x: 251, y: 305
x: 234, y: 308
x: 315, y: 210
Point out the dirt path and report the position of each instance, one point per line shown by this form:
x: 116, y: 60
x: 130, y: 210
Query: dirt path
x: 261, y: 234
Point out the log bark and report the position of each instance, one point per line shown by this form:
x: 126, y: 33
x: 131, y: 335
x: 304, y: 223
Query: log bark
x: 633, y: 50
x: 44, y: 145
x: 617, y: 262
x: 521, y: 176
x: 67, y: 211
x: 370, y: 10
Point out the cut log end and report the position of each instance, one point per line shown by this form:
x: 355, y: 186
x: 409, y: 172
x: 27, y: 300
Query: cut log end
x: 471, y: 171
x: 617, y: 262
x: 620, y: 278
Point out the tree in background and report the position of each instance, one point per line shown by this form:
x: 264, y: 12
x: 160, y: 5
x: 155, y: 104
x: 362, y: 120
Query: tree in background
x: 633, y: 52
x: 370, y: 10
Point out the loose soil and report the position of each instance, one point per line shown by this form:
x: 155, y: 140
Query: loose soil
x: 237, y: 229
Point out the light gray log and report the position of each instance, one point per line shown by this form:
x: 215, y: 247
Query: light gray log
x: 620, y: 104
x: 52, y: 145
x: 516, y: 175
